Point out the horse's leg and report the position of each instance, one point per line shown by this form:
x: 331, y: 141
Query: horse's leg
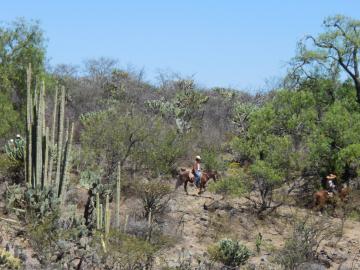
x: 202, y: 185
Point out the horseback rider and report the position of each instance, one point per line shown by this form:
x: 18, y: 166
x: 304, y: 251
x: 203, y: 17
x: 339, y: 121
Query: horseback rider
x: 330, y: 183
x: 196, y: 170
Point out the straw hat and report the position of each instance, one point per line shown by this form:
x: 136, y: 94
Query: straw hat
x: 198, y: 157
x: 331, y: 176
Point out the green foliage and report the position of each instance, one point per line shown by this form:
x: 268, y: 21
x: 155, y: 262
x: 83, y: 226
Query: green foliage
x: 230, y: 253
x: 235, y: 183
x: 161, y: 149
x: 331, y: 53
x: 9, y: 120
x: 241, y: 115
x: 298, y: 132
x: 183, y: 108
x: 34, y: 204
x: 88, y: 178
x: 8, y: 261
x: 21, y: 43
x: 112, y: 136
x: 211, y: 159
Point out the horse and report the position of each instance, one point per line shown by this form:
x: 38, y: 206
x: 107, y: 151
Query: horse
x: 323, y: 197
x: 186, y: 175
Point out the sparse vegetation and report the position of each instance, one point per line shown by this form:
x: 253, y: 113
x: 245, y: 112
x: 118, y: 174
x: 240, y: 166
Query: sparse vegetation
x: 230, y: 253
x: 88, y: 164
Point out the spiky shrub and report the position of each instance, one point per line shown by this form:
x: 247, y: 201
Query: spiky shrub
x: 230, y: 253
x: 15, y: 149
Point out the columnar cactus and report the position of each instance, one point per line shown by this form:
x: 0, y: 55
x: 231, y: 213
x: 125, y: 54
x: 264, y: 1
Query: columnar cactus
x: 39, y: 158
x: 117, y: 205
x: 98, y: 212
x: 107, y: 216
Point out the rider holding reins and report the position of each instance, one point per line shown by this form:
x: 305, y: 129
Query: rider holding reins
x: 196, y: 170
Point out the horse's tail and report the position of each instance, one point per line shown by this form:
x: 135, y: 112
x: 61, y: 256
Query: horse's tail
x: 179, y: 182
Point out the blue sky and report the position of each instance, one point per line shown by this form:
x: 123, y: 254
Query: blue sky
x: 222, y: 43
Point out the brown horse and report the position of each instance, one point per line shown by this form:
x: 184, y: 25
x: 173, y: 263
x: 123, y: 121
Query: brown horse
x: 185, y: 176
x: 322, y: 197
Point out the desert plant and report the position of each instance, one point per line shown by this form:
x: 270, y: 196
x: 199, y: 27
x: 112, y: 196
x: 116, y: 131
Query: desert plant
x: 155, y: 196
x: 301, y: 246
x: 258, y: 242
x: 15, y: 149
x: 39, y: 163
x: 8, y: 261
x: 230, y: 253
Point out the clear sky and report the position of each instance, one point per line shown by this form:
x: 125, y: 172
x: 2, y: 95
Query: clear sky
x: 222, y: 43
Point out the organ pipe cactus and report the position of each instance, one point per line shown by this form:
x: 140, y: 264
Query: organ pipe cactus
x: 41, y: 141
x: 117, y: 206
x: 107, y: 216
x: 98, y: 212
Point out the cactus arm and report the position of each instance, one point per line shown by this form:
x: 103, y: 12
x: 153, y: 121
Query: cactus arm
x: 107, y: 216
x: 53, y: 129
x: 101, y: 217
x: 39, y: 137
x: 45, y: 181
x: 60, y: 136
x: 118, y: 190
x: 29, y: 107
x: 66, y: 164
x: 98, y: 216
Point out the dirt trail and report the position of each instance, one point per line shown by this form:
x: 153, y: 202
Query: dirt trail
x: 197, y: 231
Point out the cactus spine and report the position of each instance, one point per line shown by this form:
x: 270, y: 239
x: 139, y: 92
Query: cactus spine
x: 117, y: 206
x: 38, y: 161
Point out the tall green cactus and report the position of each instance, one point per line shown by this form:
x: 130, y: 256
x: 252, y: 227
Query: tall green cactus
x: 107, y: 216
x: 39, y: 159
x: 98, y: 212
x: 117, y: 205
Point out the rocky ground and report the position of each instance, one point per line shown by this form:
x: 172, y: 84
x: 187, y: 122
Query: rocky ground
x: 199, y: 221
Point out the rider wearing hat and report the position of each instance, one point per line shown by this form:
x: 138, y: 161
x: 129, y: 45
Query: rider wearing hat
x: 330, y: 185
x: 197, y: 170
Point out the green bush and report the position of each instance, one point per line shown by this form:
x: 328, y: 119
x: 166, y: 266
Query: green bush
x: 211, y: 160
x: 230, y: 253
x: 9, y: 120
x: 8, y: 261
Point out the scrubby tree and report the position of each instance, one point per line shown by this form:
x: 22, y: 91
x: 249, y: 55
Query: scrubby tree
x: 336, y: 49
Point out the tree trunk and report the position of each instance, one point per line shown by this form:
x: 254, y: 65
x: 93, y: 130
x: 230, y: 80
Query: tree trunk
x: 357, y: 87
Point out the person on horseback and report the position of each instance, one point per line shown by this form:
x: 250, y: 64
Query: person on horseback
x: 330, y: 184
x: 196, y: 170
